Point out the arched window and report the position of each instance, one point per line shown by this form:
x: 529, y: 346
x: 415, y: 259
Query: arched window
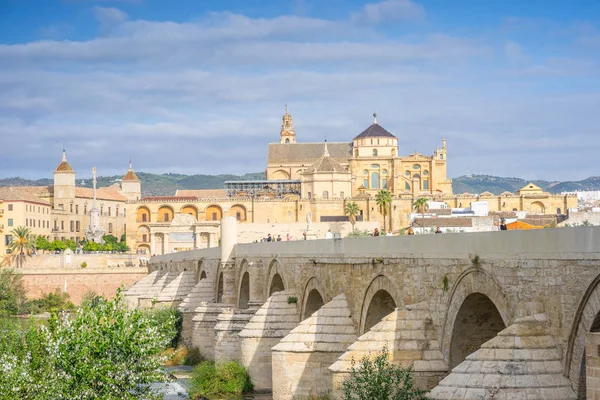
x: 441, y: 156
x: 426, y: 184
x: 374, y: 152
x: 342, y: 195
x: 287, y: 140
x: 309, y: 195
x: 366, y: 183
x: 407, y: 173
x: 384, y: 172
x: 366, y: 172
x: 425, y: 173
x: 375, y: 180
x: 325, y: 194
x: 406, y: 186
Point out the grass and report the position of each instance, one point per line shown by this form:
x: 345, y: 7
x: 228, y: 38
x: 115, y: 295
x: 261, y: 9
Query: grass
x: 210, y: 379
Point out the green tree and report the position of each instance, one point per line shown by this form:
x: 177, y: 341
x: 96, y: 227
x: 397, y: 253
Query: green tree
x: 102, y: 351
x: 58, y: 245
x: 12, y: 293
x: 376, y: 379
x: 421, y: 206
x: 41, y: 243
x: 22, y: 245
x: 383, y: 198
x: 352, y: 211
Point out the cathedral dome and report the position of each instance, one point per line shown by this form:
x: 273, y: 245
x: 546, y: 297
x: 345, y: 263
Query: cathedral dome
x: 375, y: 131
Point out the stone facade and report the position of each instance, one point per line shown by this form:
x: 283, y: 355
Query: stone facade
x: 457, y: 291
x: 592, y: 341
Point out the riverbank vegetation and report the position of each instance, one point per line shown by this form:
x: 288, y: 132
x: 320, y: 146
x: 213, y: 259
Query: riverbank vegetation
x: 209, y: 379
x: 102, y: 350
x: 374, y: 378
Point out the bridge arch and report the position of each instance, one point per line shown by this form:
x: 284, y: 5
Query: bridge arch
x: 476, y: 300
x: 219, y: 287
x: 244, y: 286
x: 276, y: 281
x: 586, y: 319
x: 312, y: 298
x: 381, y: 298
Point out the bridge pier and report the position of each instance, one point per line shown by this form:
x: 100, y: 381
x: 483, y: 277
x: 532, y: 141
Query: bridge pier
x: 302, y: 358
x: 229, y: 324
x: 274, y: 320
x: 203, y: 331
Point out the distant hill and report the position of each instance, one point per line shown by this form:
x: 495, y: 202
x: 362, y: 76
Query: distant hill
x: 497, y: 185
x: 152, y: 184
x: 167, y: 184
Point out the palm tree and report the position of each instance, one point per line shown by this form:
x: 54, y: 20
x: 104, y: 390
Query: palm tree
x: 420, y: 205
x: 351, y: 210
x: 383, y: 198
x: 22, y: 245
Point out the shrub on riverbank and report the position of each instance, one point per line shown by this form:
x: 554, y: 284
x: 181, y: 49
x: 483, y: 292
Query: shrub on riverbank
x: 376, y: 379
x: 210, y: 379
x: 101, y: 351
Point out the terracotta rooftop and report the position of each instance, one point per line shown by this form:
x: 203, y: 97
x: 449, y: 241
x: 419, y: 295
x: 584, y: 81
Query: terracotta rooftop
x: 16, y: 194
x: 64, y: 165
x: 101, y: 194
x: 202, y: 193
x: 453, y: 222
x: 307, y: 153
x: 130, y: 175
x: 169, y: 198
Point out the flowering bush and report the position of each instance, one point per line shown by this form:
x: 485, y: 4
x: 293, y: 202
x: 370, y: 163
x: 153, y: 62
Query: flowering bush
x: 102, y: 351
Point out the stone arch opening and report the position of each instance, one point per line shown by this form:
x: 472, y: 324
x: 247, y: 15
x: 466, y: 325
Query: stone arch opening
x: 276, y: 284
x: 239, y: 212
x: 280, y: 175
x: 203, y: 275
x: 191, y: 210
x: 143, y: 214
x: 314, y: 301
x: 376, y: 303
x: 381, y: 304
x: 213, y: 213
x: 220, y: 289
x: 537, y: 207
x: 244, y: 291
x: 143, y: 234
x: 587, y: 319
x: 478, y: 320
x: 165, y: 214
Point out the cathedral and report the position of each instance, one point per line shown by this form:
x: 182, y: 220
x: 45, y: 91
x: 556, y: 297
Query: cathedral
x: 364, y: 166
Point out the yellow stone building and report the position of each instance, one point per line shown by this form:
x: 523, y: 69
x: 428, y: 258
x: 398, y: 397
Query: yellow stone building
x: 320, y: 178
x: 315, y: 179
x: 62, y: 210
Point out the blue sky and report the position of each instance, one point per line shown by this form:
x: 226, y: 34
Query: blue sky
x: 200, y: 86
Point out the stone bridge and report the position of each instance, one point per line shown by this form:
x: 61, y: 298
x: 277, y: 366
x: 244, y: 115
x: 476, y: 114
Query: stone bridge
x: 499, y: 315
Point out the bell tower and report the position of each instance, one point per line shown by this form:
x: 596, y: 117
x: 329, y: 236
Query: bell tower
x: 287, y: 134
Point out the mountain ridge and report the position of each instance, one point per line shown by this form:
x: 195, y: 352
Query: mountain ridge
x: 167, y: 184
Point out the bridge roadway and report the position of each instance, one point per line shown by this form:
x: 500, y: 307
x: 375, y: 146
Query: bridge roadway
x: 306, y: 308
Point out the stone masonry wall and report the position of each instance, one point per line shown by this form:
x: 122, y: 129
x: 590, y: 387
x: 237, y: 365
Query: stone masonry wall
x: 77, y: 282
x: 592, y: 362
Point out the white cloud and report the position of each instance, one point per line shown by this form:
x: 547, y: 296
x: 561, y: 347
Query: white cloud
x: 109, y: 15
x: 389, y: 11
x: 207, y: 97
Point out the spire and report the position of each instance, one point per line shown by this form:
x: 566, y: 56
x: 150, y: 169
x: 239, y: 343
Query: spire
x: 325, y: 150
x: 64, y: 165
x: 374, y: 118
x: 130, y: 175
